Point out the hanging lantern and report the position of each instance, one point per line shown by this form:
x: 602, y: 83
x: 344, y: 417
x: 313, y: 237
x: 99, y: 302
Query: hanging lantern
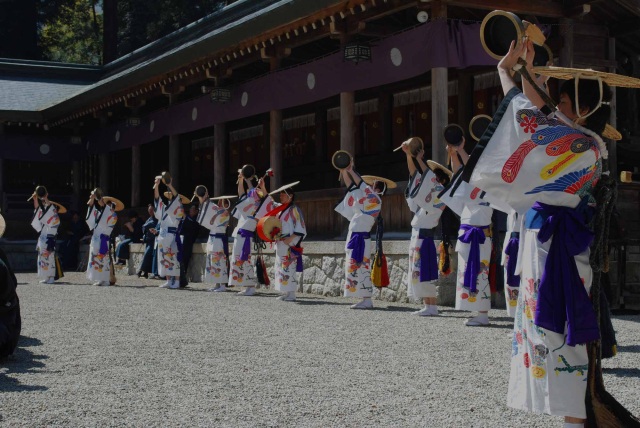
x: 357, y: 52
x: 220, y: 95
x: 133, y: 121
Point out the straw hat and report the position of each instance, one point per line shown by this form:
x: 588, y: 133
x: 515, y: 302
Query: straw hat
x: 433, y: 165
x: 119, y: 206
x: 611, y: 133
x: 183, y: 198
x: 3, y: 226
x: 566, y: 73
x: 285, y: 187
x: 217, y: 198
x: 370, y: 179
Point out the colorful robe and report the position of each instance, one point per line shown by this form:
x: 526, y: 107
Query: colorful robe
x: 289, y: 257
x: 101, y: 223
x: 168, y: 241
x: 361, y: 206
x: 46, y: 221
x: 422, y: 198
x: 473, y: 292
x: 546, y: 168
x: 248, y: 209
x: 216, y: 219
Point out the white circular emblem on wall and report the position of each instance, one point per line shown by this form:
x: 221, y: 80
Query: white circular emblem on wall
x: 311, y: 80
x: 117, y: 136
x: 44, y: 149
x: 245, y: 99
x: 194, y: 113
x: 396, y: 56
x: 152, y: 125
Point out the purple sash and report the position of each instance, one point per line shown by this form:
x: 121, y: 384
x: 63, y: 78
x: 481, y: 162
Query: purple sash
x: 513, y: 280
x: 428, y: 256
x: 562, y: 298
x: 51, y: 242
x: 104, y: 243
x: 474, y: 236
x: 176, y: 231
x: 246, y: 247
x: 297, y: 251
x: 356, y: 244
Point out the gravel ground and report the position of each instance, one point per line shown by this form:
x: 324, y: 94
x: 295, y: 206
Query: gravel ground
x: 136, y: 355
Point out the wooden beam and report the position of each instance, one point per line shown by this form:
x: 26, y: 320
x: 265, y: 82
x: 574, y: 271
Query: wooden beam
x: 538, y: 8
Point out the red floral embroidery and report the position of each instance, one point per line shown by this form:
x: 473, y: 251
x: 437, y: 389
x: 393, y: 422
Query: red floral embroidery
x: 527, y: 360
x: 529, y: 124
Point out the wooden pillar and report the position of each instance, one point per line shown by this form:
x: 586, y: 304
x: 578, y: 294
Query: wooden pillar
x: 275, y: 133
x: 385, y: 111
x: 219, y: 159
x: 439, y: 97
x: 135, y: 175
x: 174, y: 160
x: 613, y: 155
x: 76, y: 185
x: 566, y: 53
x: 320, y: 142
x: 465, y: 105
x: 104, y: 172
x: 174, y: 140
x: 347, y: 122
x: 2, y: 198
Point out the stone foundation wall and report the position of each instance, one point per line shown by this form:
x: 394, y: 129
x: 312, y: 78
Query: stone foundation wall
x: 323, y: 268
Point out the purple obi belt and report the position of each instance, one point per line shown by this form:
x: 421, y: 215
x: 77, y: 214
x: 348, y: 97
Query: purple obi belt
x: 176, y: 231
x: 474, y: 236
x: 428, y: 255
x: 356, y: 244
x: 562, y: 298
x: 297, y: 252
x: 511, y: 250
x: 246, y: 247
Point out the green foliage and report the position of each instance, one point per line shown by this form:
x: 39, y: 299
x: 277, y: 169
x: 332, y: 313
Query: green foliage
x: 144, y: 21
x: 71, y: 31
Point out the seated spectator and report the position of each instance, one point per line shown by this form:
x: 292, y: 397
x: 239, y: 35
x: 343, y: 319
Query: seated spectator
x: 132, y: 233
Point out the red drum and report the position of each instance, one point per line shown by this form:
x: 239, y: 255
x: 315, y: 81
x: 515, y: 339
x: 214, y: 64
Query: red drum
x: 269, y: 228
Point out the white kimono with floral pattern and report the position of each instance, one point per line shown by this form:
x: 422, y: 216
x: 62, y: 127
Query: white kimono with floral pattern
x: 216, y: 219
x: 169, y: 217
x: 533, y: 158
x: 286, y: 263
x: 248, y: 209
x: 361, y: 206
x: 422, y: 198
x: 101, y: 222
x: 474, y: 209
x: 46, y: 221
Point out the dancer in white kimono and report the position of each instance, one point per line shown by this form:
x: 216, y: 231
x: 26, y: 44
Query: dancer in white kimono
x: 253, y: 204
x: 421, y: 194
x: 546, y: 167
x: 45, y: 221
x: 216, y: 218
x: 510, y: 260
x: 101, y: 218
x: 288, y: 249
x: 473, y: 292
x: 361, y: 205
x: 169, y: 213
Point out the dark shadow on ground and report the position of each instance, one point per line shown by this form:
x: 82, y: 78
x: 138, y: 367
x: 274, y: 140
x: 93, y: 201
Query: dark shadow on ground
x: 629, y: 348
x: 622, y: 372
x: 22, y: 361
x: 306, y: 301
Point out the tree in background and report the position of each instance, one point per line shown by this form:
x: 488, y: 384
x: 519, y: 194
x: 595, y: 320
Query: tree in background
x: 73, y: 32
x: 18, y: 29
x: 144, y: 21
